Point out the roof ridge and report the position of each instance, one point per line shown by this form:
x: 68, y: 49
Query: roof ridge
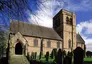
x: 31, y: 24
x: 78, y: 35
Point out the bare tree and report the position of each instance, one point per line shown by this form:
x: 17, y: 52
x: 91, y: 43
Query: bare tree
x: 3, y: 40
x: 14, y: 8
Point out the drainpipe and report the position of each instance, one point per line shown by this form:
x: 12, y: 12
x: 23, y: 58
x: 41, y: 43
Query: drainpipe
x: 72, y: 32
x: 41, y: 48
x: 41, y: 45
x: 72, y: 39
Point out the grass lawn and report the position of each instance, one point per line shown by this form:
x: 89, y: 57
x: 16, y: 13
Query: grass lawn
x: 88, y: 59
x: 43, y: 59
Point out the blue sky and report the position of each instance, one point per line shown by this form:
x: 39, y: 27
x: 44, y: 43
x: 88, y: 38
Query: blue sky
x: 44, y: 10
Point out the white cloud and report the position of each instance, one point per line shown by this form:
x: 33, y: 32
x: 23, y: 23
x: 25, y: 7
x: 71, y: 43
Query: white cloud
x: 87, y: 25
x: 46, y: 12
x: 48, y: 8
x: 83, y: 5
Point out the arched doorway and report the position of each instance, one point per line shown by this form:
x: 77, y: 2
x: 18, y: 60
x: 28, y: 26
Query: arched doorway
x: 18, y: 48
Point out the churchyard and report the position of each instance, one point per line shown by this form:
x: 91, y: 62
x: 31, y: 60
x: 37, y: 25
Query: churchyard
x: 58, y: 57
x: 87, y: 60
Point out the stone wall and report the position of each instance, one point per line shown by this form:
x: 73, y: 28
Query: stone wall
x: 32, y: 48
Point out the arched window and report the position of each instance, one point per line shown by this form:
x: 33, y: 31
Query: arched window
x: 48, y: 43
x: 69, y: 43
x: 58, y: 44
x: 35, y: 42
x: 69, y: 20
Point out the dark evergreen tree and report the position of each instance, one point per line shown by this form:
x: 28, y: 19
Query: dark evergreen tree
x: 40, y: 55
x: 35, y: 54
x: 64, y: 53
x: 47, y: 56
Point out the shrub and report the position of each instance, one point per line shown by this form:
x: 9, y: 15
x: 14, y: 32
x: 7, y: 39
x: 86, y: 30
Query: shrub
x: 52, y: 54
x: 88, y: 53
x: 69, y: 54
x: 54, y: 51
x: 32, y: 55
x: 64, y: 53
x: 35, y: 54
x: 40, y: 55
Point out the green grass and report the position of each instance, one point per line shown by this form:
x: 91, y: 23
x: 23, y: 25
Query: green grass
x: 43, y: 59
x: 88, y: 59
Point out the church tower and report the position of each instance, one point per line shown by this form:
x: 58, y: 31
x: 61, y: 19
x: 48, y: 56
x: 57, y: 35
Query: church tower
x: 64, y: 23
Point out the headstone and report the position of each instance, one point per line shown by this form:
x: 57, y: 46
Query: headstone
x: 47, y: 56
x: 59, y: 57
x: 78, y: 55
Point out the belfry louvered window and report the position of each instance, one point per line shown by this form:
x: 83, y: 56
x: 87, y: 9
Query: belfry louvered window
x: 69, y: 20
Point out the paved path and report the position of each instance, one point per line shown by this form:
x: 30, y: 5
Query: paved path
x: 18, y: 59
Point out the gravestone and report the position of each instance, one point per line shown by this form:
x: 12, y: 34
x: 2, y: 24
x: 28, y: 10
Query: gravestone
x: 59, y: 57
x: 47, y: 56
x: 78, y: 55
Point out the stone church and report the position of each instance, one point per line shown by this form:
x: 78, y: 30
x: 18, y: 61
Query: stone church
x: 27, y: 38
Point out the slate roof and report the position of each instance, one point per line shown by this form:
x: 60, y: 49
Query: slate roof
x: 33, y: 30
x: 79, y: 38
